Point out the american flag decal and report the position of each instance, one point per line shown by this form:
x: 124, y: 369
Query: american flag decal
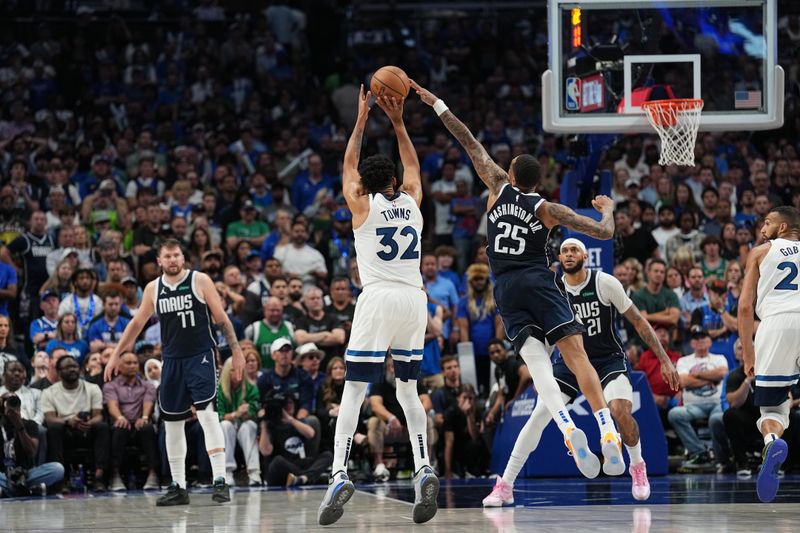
x: 747, y: 99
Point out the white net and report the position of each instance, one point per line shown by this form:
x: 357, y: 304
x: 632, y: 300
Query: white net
x: 676, y: 122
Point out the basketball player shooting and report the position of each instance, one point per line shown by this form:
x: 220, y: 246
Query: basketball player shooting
x: 185, y: 302
x: 392, y: 309
x: 533, y: 308
x: 771, y: 281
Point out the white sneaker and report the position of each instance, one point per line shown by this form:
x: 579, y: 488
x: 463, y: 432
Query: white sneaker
x: 117, y: 485
x: 340, y: 490
x: 426, y: 490
x: 229, y: 478
x: 611, y: 445
x: 586, y: 461
x: 381, y: 473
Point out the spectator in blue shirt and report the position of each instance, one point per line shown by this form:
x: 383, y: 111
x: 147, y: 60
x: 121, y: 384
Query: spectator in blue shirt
x: 478, y: 320
x: 43, y: 329
x: 8, y: 286
x: 67, y: 338
x: 106, y: 331
x: 308, y: 184
x: 464, y: 208
x: 432, y: 350
x: 441, y: 291
x: 721, y: 326
x: 445, y: 258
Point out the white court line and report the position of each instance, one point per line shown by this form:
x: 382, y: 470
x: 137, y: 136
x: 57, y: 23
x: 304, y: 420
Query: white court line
x: 384, y: 497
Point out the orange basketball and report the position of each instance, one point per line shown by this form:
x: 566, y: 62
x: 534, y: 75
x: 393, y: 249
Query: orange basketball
x: 390, y: 81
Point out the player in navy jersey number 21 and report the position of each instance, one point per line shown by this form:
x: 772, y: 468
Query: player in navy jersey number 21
x: 186, y: 302
x: 392, y: 310
x: 534, y: 310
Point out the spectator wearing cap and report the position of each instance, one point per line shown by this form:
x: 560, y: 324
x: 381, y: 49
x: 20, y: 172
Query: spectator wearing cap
x: 150, y: 232
x: 309, y: 358
x: 291, y: 381
x: 300, y: 259
x: 247, y: 228
x: 43, y: 329
x: 319, y: 327
x: 106, y: 331
x: 83, y: 302
x: 131, y: 293
x: 104, y: 209
x: 101, y: 170
x: 338, y: 245
x: 309, y: 183
x: 28, y: 253
x: 632, y: 190
x: 266, y: 331
x: 721, y: 326
x: 8, y: 286
x: 701, y: 376
x: 211, y: 264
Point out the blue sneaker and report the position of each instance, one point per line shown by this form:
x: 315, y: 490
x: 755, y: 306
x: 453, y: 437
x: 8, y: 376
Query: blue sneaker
x: 773, y: 456
x: 426, y: 490
x: 340, y: 490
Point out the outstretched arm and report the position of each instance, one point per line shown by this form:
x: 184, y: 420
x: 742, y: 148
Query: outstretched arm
x: 351, y: 179
x: 490, y: 173
x: 412, y: 183
x: 553, y: 214
x: 132, y: 330
x: 648, y: 335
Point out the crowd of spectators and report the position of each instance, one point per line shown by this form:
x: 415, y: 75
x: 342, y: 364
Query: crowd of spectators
x: 226, y: 130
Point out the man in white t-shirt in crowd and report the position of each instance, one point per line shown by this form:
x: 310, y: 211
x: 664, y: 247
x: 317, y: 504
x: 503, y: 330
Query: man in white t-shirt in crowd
x: 701, y: 376
x: 299, y: 258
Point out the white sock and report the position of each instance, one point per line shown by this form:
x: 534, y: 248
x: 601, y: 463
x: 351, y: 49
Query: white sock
x: 635, y: 453
x: 769, y: 437
x: 535, y: 355
x: 605, y: 422
x: 416, y: 421
x: 346, y: 422
x: 176, y: 450
x: 527, y: 441
x: 215, y: 439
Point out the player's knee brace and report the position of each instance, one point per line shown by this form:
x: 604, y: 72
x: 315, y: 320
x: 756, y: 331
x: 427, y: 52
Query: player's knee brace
x: 212, y: 430
x: 778, y: 413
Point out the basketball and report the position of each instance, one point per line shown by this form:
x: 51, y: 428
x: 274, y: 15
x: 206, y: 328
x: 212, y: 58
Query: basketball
x: 390, y: 81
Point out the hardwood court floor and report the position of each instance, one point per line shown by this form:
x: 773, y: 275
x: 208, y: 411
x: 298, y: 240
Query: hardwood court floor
x: 678, y: 504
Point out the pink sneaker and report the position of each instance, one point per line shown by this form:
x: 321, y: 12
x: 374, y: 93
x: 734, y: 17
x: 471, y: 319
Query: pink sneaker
x: 641, y: 487
x: 502, y: 494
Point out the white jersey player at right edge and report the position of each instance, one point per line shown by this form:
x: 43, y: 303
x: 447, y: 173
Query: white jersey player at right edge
x: 391, y: 311
x: 772, y: 279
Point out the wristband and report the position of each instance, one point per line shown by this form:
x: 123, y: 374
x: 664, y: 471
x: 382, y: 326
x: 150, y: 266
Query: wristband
x: 440, y: 107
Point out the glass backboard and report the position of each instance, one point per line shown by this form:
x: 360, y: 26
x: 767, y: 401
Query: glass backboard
x: 608, y: 57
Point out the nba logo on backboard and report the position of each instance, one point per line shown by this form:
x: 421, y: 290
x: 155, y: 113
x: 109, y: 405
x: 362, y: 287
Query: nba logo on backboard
x: 573, y: 96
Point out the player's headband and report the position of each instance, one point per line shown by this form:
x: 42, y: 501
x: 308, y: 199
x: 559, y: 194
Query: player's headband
x: 574, y: 242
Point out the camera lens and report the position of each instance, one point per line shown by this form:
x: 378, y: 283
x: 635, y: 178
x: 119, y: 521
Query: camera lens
x: 14, y: 402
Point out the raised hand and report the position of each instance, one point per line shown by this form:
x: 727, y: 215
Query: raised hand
x: 424, y: 94
x: 363, y: 103
x: 392, y: 107
x: 603, y: 203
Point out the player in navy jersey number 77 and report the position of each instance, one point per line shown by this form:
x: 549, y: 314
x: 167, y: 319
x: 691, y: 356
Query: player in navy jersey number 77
x: 186, y: 302
x: 391, y: 312
x: 534, y: 310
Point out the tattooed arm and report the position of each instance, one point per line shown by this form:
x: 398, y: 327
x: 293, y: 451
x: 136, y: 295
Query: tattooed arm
x: 351, y: 179
x: 490, y: 173
x: 648, y: 335
x: 553, y: 214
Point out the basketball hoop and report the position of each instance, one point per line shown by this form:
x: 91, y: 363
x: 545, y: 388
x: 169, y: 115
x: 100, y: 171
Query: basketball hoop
x: 676, y: 122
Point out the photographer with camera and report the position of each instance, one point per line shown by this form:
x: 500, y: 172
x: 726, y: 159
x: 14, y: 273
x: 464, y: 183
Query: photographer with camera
x: 14, y: 375
x: 283, y: 441
x: 73, y: 413
x: 18, y: 444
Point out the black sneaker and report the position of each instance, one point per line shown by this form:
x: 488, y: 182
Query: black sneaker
x: 222, y: 491
x: 174, y: 496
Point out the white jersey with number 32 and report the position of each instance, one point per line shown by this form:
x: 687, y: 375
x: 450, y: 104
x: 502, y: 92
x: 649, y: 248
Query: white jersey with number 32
x: 388, y: 242
x: 779, y: 281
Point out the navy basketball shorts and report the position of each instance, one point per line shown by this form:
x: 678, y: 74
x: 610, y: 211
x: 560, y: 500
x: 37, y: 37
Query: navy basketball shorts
x: 608, y: 367
x: 531, y: 304
x: 187, y: 381
x: 388, y: 315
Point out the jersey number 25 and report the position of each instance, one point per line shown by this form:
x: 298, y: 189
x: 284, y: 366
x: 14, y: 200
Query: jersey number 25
x: 512, y: 232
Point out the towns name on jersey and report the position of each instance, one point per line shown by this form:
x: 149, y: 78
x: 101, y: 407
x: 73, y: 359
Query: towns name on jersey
x: 170, y: 304
x: 515, y: 211
x: 396, y: 213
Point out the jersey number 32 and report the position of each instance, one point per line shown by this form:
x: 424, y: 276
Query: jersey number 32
x: 388, y: 240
